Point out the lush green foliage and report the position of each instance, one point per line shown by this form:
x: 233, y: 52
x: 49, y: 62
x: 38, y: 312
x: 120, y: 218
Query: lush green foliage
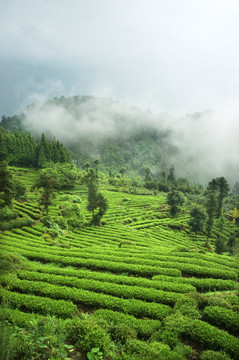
x: 44, y: 338
x: 21, y: 149
x: 197, y: 220
x: 175, y: 200
x: 136, y: 287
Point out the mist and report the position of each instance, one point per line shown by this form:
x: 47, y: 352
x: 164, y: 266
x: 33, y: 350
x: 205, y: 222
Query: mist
x: 159, y: 60
x: 207, y: 142
x: 169, y: 56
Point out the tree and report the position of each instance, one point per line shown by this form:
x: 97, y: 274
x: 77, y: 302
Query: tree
x: 220, y: 187
x: 197, y: 219
x: 55, y: 177
x: 3, y: 144
x: 49, y: 181
x: 220, y: 246
x: 42, y: 159
x: 175, y: 200
x: 212, y: 186
x: 6, y: 195
x: 211, y: 205
x: 68, y: 175
x: 44, y: 153
x: 122, y: 171
x: 6, y: 185
x: 71, y: 214
x: 96, y: 163
x: 232, y: 244
x: 223, y: 188
x: 171, y: 176
x: 163, y: 175
x: 96, y: 201
x: 147, y: 174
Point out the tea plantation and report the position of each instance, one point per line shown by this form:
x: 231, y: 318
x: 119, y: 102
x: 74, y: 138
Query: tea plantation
x: 140, y: 286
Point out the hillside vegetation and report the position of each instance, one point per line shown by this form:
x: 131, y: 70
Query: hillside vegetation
x: 108, y: 250
x: 143, y: 285
x: 91, y: 127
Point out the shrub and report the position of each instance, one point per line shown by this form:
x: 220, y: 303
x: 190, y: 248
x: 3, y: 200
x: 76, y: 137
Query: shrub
x: 170, y: 338
x: 42, y: 339
x: 213, y: 355
x: 75, y: 222
x: 39, y: 304
x: 17, y: 317
x: 121, y: 333
x: 19, y: 222
x: 61, y: 221
x: 90, y: 333
x: 188, y: 305
x: 190, y: 310
x: 144, y: 327
x: 222, y: 317
x: 8, y: 262
x: 214, y: 338
x: 19, y: 188
x: 136, y: 349
x: 7, y: 214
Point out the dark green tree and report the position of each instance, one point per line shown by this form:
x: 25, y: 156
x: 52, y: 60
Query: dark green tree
x: 175, y: 200
x: 232, y: 244
x: 122, y: 171
x: 92, y: 184
x: 171, y: 176
x: 97, y: 203
x: 211, y: 207
x: 49, y: 181
x: 220, y: 246
x: 6, y: 185
x: 3, y: 145
x: 147, y: 174
x: 213, y: 185
x: 42, y: 159
x: 96, y: 164
x: 197, y: 219
x: 223, y: 188
x: 163, y: 176
x: 68, y: 174
x: 220, y: 187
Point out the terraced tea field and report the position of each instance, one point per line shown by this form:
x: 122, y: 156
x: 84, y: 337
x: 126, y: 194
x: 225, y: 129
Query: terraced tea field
x: 141, y: 269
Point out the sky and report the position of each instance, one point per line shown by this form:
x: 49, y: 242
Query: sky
x: 175, y: 56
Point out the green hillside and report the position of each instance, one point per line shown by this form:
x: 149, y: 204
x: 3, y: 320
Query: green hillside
x: 140, y: 286
x: 91, y: 127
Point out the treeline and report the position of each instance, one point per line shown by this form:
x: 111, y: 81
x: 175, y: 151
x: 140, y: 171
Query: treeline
x: 129, y: 141
x: 168, y: 182
x: 21, y: 149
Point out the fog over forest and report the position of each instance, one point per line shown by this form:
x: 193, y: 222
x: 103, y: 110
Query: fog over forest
x: 208, y: 145
x: 171, y: 64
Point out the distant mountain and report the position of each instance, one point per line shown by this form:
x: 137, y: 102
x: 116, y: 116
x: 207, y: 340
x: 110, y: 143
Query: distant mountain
x: 90, y: 127
x: 200, y: 145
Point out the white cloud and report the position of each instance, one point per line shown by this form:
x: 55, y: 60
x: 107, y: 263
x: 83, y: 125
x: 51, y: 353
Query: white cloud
x: 175, y: 55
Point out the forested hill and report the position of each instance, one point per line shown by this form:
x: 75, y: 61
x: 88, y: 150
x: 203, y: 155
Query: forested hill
x: 120, y: 135
x: 92, y: 127
x: 21, y: 149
